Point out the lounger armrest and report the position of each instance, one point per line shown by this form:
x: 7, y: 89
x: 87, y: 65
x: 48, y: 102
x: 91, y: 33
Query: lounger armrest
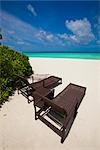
x: 51, y: 103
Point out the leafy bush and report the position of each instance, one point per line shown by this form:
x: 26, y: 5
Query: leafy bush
x: 11, y: 63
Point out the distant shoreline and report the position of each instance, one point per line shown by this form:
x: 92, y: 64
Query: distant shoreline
x: 69, y: 52
x: 94, y: 56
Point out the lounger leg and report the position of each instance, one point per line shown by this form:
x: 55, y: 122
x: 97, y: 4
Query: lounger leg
x: 63, y: 135
x: 28, y: 100
x: 35, y: 113
x: 65, y: 131
x: 62, y: 140
x: 17, y: 91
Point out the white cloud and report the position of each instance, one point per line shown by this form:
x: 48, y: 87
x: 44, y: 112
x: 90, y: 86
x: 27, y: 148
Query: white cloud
x: 78, y: 26
x: 81, y: 29
x: 49, y: 38
x: 74, y: 38
x: 45, y: 36
x: 31, y: 9
x: 20, y: 42
x: 63, y: 36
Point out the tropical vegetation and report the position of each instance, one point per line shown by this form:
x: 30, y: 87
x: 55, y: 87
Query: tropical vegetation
x: 11, y: 63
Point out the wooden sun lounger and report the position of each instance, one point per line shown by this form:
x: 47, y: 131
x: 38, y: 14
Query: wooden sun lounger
x: 47, y: 84
x: 62, y: 109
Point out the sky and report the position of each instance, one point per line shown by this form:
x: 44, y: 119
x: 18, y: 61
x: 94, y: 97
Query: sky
x: 50, y: 26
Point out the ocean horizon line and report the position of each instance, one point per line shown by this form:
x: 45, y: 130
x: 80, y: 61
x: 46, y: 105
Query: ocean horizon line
x: 95, y: 56
x: 96, y: 52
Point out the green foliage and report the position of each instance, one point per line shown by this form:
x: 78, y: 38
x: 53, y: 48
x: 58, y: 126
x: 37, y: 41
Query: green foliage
x: 11, y: 63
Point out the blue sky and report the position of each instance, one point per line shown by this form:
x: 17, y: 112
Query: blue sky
x: 51, y: 25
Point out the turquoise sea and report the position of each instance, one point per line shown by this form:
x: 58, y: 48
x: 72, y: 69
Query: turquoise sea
x: 95, y: 56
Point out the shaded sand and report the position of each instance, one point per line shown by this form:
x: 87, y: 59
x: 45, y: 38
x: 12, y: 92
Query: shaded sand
x: 19, y: 130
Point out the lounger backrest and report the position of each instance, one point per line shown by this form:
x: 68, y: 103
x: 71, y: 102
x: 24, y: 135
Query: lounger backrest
x: 51, y: 81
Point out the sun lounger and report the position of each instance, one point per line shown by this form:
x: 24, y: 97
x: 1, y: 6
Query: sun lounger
x: 62, y: 110
x: 27, y: 88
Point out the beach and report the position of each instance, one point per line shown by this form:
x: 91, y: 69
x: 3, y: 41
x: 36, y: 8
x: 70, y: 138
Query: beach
x: 20, y: 131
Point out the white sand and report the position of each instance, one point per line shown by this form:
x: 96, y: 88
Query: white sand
x: 19, y: 130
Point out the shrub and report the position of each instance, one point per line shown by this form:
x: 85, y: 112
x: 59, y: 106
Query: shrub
x: 11, y: 63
